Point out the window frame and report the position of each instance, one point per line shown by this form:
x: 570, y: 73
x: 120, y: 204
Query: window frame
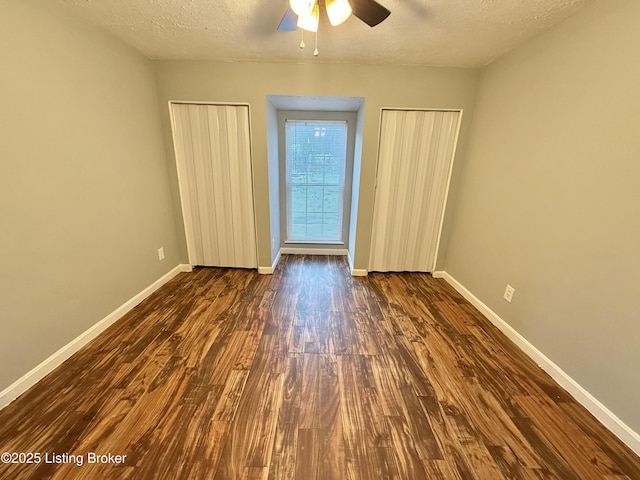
x: 313, y: 116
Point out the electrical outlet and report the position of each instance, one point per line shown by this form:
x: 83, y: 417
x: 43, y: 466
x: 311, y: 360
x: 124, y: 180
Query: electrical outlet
x: 161, y: 253
x: 508, y: 293
x: 273, y: 244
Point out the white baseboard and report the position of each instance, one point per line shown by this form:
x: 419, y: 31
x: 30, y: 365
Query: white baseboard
x: 272, y: 268
x: 356, y: 272
x: 32, y: 377
x: 359, y: 272
x: 597, y: 409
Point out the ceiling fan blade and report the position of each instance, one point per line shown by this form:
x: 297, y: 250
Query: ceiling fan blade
x: 369, y: 11
x: 289, y: 22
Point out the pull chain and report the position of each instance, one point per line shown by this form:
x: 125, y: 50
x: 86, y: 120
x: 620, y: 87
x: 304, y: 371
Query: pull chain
x: 315, y: 51
x: 302, y: 38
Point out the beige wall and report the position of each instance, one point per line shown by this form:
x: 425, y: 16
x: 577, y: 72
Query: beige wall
x: 84, y: 197
x: 252, y: 82
x: 273, y: 155
x: 550, y: 201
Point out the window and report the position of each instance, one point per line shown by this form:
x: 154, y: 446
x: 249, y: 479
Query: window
x: 316, y: 163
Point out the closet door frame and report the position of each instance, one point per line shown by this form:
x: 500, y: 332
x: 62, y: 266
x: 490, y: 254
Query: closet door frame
x: 449, y: 174
x: 186, y: 214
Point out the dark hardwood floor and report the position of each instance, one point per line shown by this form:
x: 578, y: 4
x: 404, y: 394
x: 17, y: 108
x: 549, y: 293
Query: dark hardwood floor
x: 306, y: 374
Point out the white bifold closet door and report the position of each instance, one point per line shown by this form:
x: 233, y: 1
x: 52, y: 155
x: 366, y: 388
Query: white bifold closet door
x: 414, y: 167
x: 213, y: 155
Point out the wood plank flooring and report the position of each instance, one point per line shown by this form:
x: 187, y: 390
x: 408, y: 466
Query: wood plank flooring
x: 306, y: 374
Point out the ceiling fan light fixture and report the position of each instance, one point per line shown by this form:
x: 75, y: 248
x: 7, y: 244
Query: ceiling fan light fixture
x: 302, y: 8
x: 310, y: 22
x: 338, y: 11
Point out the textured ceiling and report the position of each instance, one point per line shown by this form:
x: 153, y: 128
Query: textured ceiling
x: 460, y: 33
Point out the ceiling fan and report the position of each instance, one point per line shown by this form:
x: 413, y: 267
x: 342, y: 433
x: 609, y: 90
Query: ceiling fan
x: 305, y: 14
